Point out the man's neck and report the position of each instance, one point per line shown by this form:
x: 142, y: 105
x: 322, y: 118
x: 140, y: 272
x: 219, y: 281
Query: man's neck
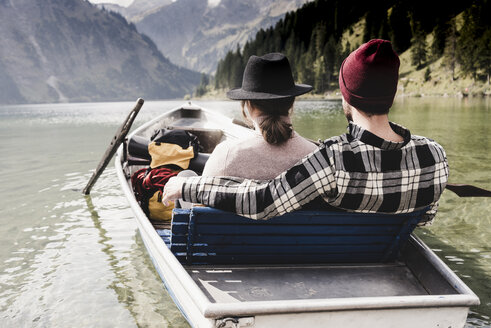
x: 376, y: 124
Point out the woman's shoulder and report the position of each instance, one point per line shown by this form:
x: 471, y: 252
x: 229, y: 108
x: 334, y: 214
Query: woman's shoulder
x: 303, y: 142
x: 250, y: 142
x: 216, y: 162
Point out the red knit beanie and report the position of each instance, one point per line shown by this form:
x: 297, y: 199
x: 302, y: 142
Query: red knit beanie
x: 368, y: 77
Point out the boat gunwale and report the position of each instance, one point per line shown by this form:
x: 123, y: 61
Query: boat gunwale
x: 251, y: 308
x: 211, y: 310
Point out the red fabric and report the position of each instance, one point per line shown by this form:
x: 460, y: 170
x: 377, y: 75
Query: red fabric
x: 368, y: 76
x: 145, y: 185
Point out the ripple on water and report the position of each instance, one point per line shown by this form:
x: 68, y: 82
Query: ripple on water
x: 83, y: 248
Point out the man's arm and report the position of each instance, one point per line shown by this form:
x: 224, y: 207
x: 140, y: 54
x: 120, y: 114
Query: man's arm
x: 441, y: 178
x: 259, y: 200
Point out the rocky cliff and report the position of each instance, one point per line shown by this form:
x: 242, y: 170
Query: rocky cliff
x: 197, y: 33
x: 138, y: 9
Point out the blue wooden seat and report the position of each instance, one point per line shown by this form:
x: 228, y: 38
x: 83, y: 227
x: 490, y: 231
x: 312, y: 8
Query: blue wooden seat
x: 203, y: 235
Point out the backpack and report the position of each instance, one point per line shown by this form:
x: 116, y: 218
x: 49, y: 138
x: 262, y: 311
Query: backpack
x: 171, y: 152
x: 173, y: 147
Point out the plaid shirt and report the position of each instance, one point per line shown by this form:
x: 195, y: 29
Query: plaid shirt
x: 356, y: 171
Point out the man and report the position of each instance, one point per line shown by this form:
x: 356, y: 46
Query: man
x: 378, y: 166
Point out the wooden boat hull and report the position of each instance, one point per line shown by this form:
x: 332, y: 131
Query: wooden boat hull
x: 208, y: 303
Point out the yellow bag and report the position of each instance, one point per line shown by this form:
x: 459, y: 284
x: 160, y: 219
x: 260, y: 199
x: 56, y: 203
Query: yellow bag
x: 157, y: 210
x: 167, y: 153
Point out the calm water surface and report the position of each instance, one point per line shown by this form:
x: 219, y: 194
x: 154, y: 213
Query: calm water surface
x: 73, y: 261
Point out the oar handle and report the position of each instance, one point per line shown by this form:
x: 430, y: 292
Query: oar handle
x: 113, y: 146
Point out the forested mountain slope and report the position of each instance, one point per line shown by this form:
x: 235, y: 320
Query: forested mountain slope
x: 438, y: 41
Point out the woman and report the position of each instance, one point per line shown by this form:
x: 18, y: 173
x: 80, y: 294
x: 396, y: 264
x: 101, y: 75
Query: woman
x: 267, y: 96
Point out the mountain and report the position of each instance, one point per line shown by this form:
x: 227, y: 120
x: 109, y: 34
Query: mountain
x: 70, y: 50
x: 196, y: 33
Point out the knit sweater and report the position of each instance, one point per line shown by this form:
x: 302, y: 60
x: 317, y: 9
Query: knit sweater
x: 254, y: 158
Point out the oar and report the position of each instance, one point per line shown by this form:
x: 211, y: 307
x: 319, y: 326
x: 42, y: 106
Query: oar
x: 113, y: 146
x: 464, y: 190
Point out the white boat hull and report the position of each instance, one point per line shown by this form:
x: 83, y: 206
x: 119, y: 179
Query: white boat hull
x: 396, y: 318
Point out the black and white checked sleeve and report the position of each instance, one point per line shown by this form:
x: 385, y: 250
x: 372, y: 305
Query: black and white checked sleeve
x: 313, y: 176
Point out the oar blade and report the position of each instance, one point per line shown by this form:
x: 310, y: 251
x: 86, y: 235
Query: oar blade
x: 464, y: 190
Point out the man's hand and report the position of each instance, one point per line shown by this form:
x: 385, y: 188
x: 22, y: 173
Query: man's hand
x: 172, y: 190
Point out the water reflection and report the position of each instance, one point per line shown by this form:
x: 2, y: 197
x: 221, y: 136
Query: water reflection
x: 60, y: 280
x: 470, y: 268
x: 63, y: 265
x: 136, y: 282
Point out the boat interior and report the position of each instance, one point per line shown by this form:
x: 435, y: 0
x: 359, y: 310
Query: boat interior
x: 189, y: 119
x: 306, y: 255
x: 259, y: 283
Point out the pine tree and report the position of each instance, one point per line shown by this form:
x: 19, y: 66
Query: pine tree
x: 219, y: 75
x: 479, y: 30
x: 427, y: 74
x: 238, y: 69
x: 400, y: 27
x: 368, y: 29
x: 439, y: 38
x: 305, y: 69
x: 332, y: 54
x: 320, y: 74
x: 418, y: 51
x: 484, y: 50
x: 383, y: 32
x: 317, y: 42
x: 202, y: 87
x: 376, y: 23
x: 450, y: 50
x: 467, y: 52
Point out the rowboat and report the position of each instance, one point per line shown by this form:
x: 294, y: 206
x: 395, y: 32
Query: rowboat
x: 308, y: 268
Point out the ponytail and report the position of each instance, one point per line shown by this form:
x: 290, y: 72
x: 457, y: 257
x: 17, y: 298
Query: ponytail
x: 275, y: 130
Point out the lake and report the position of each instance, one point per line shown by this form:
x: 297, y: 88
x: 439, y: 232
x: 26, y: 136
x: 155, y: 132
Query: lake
x: 73, y: 261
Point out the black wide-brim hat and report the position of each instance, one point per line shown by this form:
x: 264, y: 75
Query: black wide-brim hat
x: 268, y: 77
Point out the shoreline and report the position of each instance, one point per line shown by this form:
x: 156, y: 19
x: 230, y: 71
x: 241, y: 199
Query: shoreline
x: 476, y: 91
x: 336, y: 95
